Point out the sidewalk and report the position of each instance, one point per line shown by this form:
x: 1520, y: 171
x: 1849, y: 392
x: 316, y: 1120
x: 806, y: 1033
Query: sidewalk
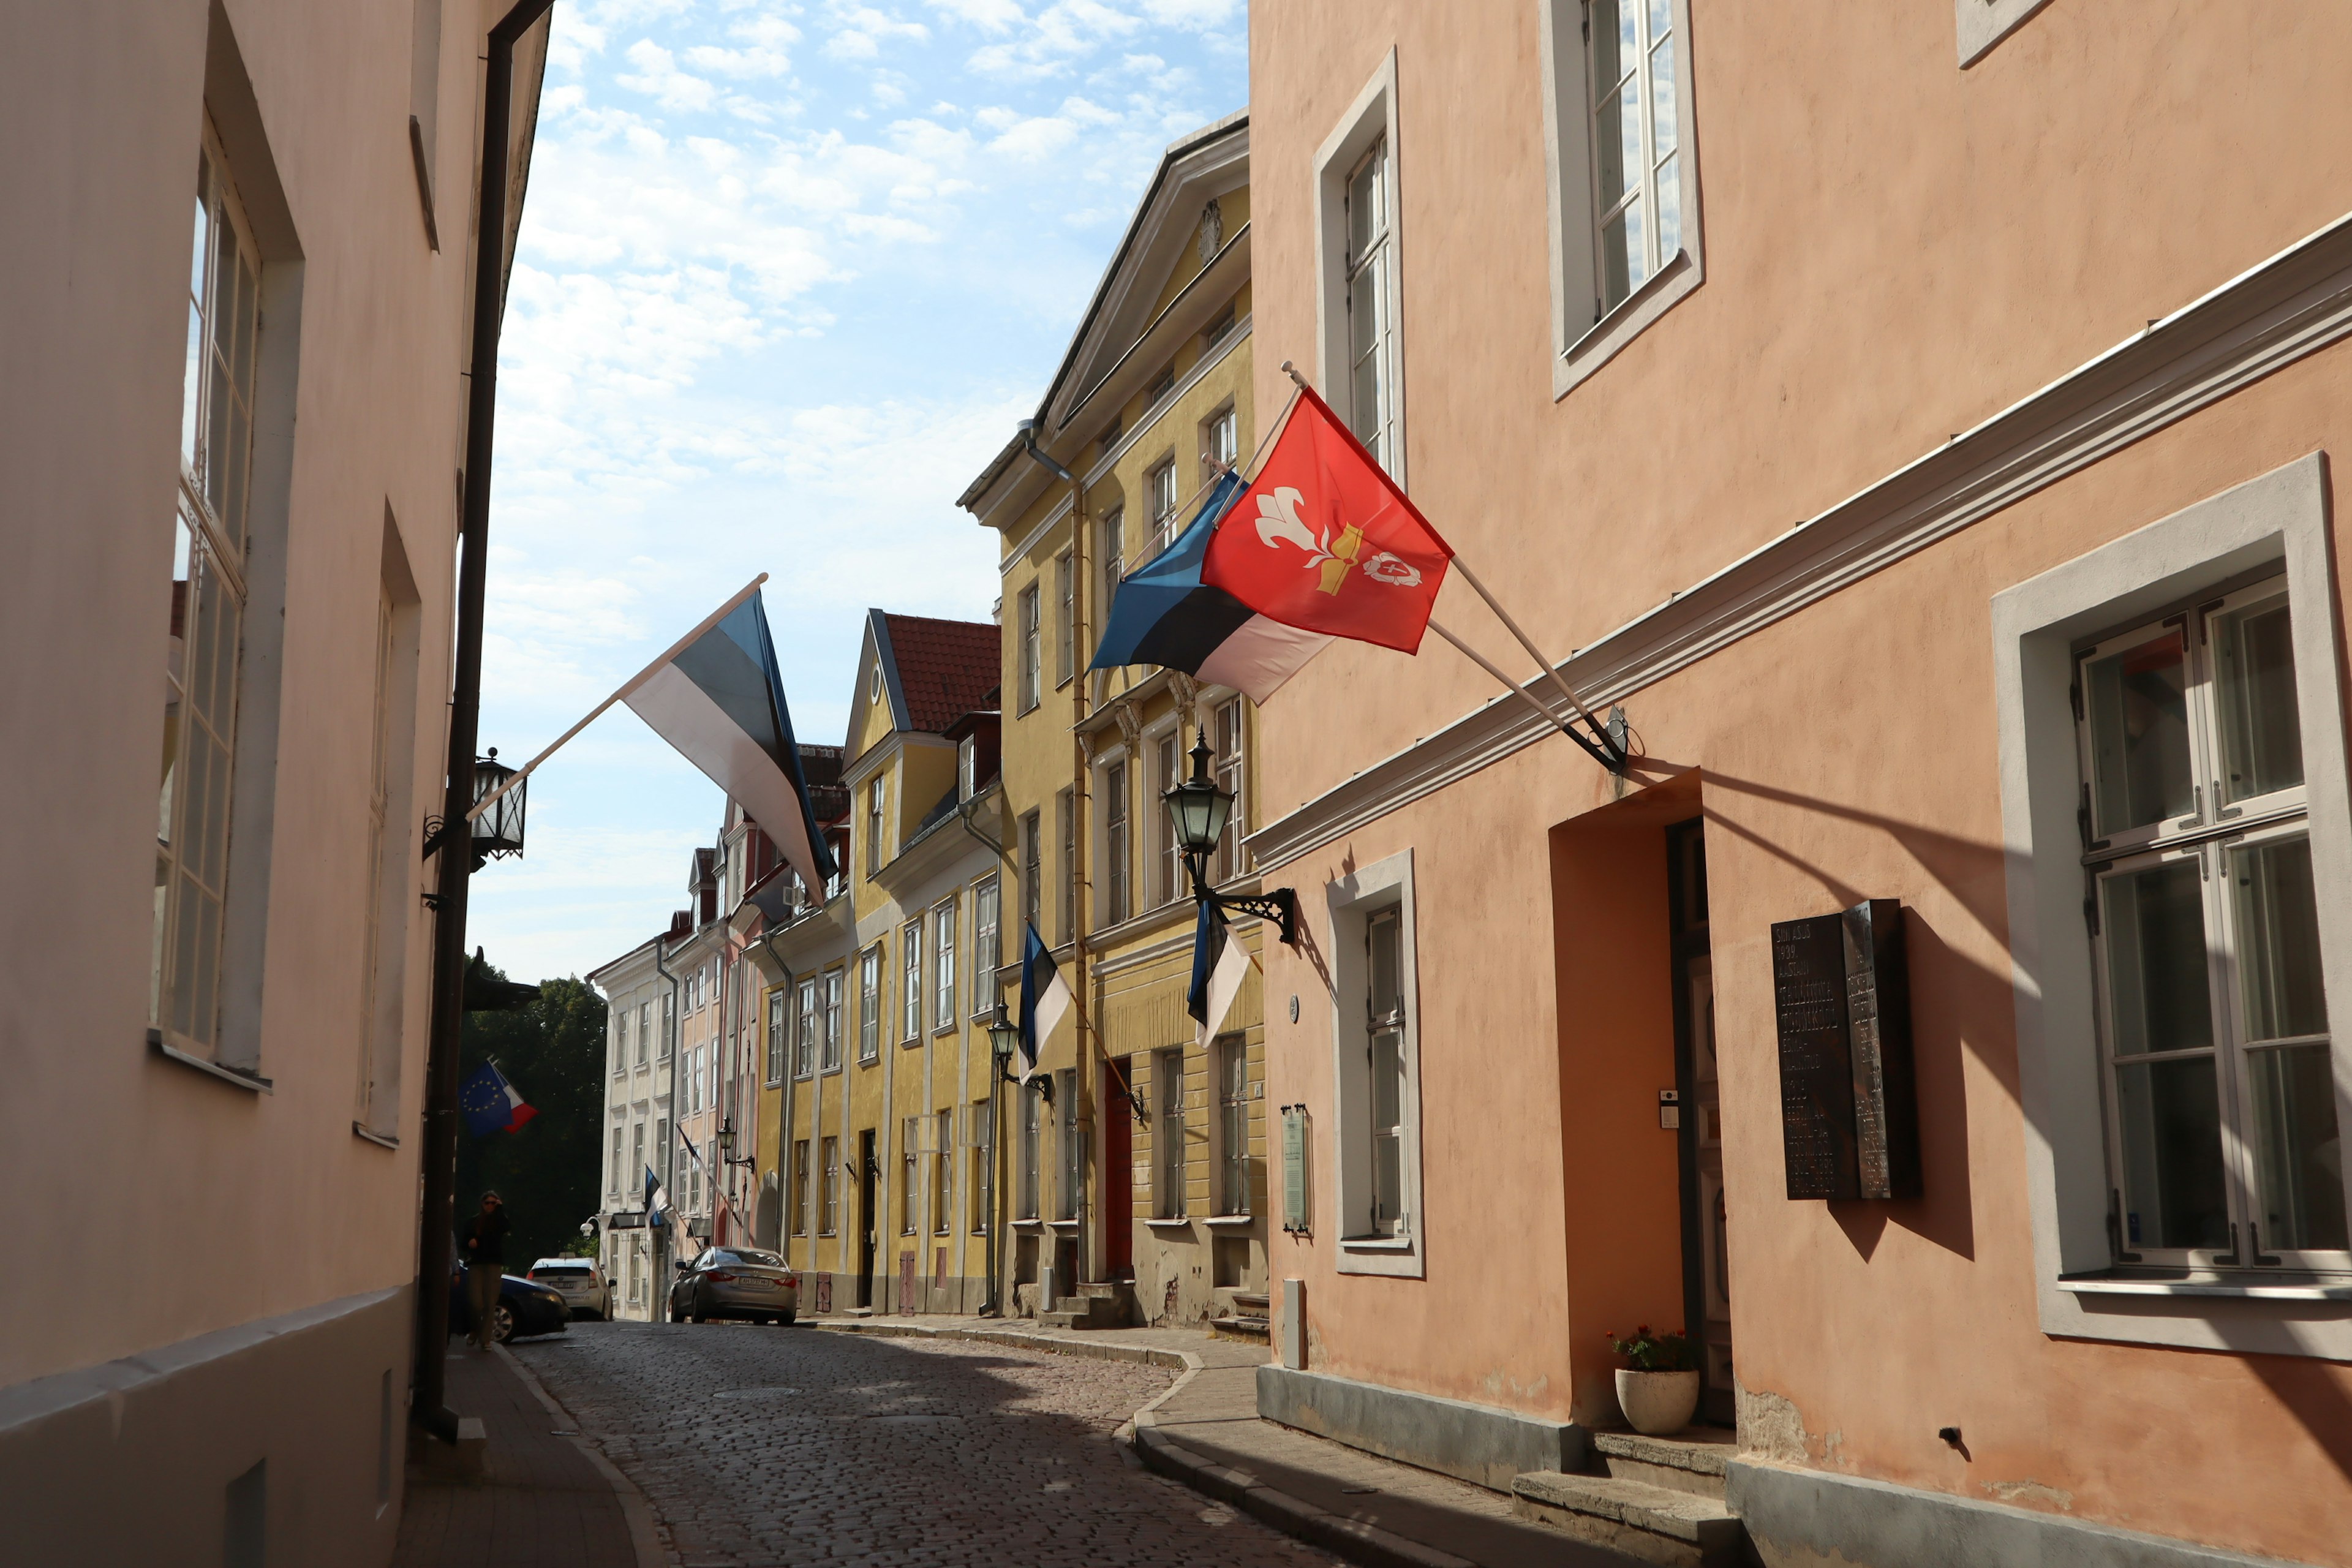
x: 1206, y: 1433
x: 543, y: 1498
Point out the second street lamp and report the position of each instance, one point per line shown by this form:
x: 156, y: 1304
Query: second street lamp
x: 1199, y: 811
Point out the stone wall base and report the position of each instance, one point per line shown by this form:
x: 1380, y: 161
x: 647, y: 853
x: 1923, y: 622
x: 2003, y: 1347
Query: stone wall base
x: 1474, y: 1443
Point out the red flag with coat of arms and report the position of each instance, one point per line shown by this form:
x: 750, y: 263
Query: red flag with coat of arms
x: 1324, y: 541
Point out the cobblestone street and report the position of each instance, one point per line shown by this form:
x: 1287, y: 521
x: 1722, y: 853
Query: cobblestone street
x: 763, y: 1445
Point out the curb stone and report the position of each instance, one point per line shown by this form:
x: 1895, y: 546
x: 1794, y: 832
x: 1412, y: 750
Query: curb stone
x: 644, y: 1532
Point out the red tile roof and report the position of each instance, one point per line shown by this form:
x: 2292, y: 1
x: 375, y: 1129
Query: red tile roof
x: 946, y: 668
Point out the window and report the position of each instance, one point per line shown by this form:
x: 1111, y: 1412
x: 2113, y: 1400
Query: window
x: 385, y: 944
x: 1373, y: 1045
x: 637, y: 1149
x: 799, y: 1195
x: 1371, y: 264
x: 1109, y: 437
x: 1065, y: 823
x: 1215, y: 333
x: 424, y: 102
x: 618, y: 1181
x: 942, y: 1171
x: 869, y: 1003
x: 833, y: 979
x: 1026, y: 1195
x: 669, y: 1021
x: 1384, y: 1019
x: 776, y: 1036
x: 620, y: 1043
x: 911, y: 980
x: 910, y: 1140
x: 985, y: 946
x: 1168, y: 1135
x: 642, y: 1043
x: 1220, y: 441
x: 1074, y: 1163
x: 1027, y: 603
x: 1115, y: 847
x: 1227, y: 863
x: 829, y: 1222
x: 636, y: 1272
x: 1114, y: 552
x: 1066, y: 617
x: 2220, y: 1093
x: 805, y: 1041
x: 1167, y: 861
x: 982, y: 1185
x: 1032, y: 875
x: 661, y: 1151
x: 1636, y: 190
x: 873, y: 827
x: 207, y: 613
x: 1233, y: 1126
x: 943, y: 965
x: 1159, y: 493
x: 1160, y: 385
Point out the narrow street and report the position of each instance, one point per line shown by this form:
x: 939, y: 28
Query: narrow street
x: 763, y: 1445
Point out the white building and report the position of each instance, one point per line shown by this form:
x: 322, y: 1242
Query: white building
x: 641, y: 1080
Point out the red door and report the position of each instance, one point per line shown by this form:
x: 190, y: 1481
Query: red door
x: 1118, y: 1173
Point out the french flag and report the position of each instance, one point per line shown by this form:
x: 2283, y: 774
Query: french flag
x: 1165, y: 615
x: 491, y: 1103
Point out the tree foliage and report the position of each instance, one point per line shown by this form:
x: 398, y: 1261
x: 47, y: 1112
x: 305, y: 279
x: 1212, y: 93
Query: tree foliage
x: 552, y: 1051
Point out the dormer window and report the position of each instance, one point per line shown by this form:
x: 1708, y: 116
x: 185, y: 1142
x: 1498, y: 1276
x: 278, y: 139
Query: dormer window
x: 967, y: 767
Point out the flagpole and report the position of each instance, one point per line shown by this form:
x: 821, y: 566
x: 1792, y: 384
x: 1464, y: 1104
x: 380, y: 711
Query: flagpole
x: 1528, y: 643
x: 717, y: 616
x: 1483, y: 662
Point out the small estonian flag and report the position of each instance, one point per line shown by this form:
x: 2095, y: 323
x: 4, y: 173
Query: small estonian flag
x: 1220, y: 965
x: 491, y: 1103
x: 653, y: 1197
x: 1045, y: 997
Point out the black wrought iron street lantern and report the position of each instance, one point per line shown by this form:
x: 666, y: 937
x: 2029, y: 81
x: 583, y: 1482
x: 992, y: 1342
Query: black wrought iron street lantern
x: 725, y: 1139
x: 498, y: 830
x: 1004, y: 1039
x: 1199, y: 811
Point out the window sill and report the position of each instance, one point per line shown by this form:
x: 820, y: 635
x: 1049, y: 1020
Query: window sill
x: 1063, y: 1224
x: 1028, y: 1224
x: 2296, y: 1288
x: 1230, y: 1221
x: 1632, y: 316
x: 1179, y: 1222
x: 237, y: 1076
x: 380, y: 1140
x: 1376, y: 1243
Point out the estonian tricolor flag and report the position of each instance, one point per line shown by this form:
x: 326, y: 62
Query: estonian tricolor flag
x: 719, y: 700
x: 1165, y: 615
x: 1045, y: 997
x: 1220, y: 965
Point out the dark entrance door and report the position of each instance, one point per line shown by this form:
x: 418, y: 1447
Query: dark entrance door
x: 867, y: 1170
x: 1706, y: 1278
x: 1118, y: 1172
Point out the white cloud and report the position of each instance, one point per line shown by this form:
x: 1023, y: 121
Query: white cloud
x: 658, y: 76
x: 988, y: 15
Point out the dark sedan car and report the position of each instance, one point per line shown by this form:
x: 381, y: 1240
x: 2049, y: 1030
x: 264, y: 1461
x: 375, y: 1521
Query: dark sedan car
x: 523, y: 1308
x: 735, y: 1282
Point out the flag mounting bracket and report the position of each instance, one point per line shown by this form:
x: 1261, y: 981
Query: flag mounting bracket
x: 1279, y: 905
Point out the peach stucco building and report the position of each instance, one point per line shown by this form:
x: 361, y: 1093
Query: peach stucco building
x: 1922, y: 419
x: 234, y: 326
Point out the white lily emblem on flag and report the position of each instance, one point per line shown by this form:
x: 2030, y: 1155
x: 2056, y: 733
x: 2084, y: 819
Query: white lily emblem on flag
x: 1278, y: 520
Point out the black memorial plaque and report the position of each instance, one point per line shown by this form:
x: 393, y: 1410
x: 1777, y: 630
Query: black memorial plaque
x: 1878, y: 1022
x: 1809, y: 995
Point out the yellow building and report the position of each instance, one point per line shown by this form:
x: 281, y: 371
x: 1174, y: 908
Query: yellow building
x: 1142, y: 1178
x: 874, y: 1122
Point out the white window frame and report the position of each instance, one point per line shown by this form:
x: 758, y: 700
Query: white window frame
x: 1229, y: 1159
x: 1164, y: 745
x: 910, y: 981
x: 805, y: 1044
x: 1369, y: 121
x: 943, y: 964
x: 871, y: 993
x: 779, y: 1025
x: 1114, y: 840
x: 1584, y: 336
x: 2279, y: 518
x: 877, y: 799
x: 1159, y: 498
x: 829, y: 1187
x: 1111, y: 535
x: 911, y: 1176
x: 1027, y: 675
x: 943, y: 1172
x: 1169, y: 1163
x: 1066, y: 619
x: 619, y: 1042
x: 1229, y: 764
x: 836, y: 981
x: 1351, y: 901
x: 987, y: 942
x: 800, y: 1199
x: 1220, y: 442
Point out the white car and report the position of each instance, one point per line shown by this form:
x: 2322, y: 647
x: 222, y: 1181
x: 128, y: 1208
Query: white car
x: 579, y: 1280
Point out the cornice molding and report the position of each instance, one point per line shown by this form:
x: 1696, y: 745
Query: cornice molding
x: 2288, y: 306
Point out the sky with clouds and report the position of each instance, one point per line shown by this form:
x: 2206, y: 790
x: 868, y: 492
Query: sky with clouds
x: 788, y: 276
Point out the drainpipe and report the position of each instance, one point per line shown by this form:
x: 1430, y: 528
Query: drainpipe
x: 666, y: 1156
x: 435, y: 1239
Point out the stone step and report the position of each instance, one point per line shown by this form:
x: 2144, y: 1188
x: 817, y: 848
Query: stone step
x: 1690, y: 1461
x: 1255, y: 1329
x: 1655, y: 1523
x: 1249, y: 1302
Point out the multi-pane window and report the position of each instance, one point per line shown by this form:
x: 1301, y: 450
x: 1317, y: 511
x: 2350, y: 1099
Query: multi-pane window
x: 208, y: 616
x: 669, y: 1021
x: 1160, y: 494
x: 805, y: 1042
x: 982, y: 1185
x: 872, y: 826
x: 637, y: 1149
x: 984, y: 948
x: 2222, y: 1134
x: 1168, y: 1135
x: 829, y: 1219
x: 643, y: 1021
x: 1167, y: 860
x: 775, y: 1036
x: 942, y: 1171
x: 1371, y: 305
x: 869, y: 1003
x: 910, y: 979
x: 1229, y: 742
x: 619, y: 1042
x: 1114, y: 554
x: 799, y: 1198
x: 1074, y: 1167
x: 1065, y: 826
x: 1066, y: 617
x: 619, y: 1180
x: 943, y: 965
x: 661, y: 1150
x: 1031, y: 1117
x: 833, y: 980
x: 1115, y: 844
x: 1033, y: 873
x: 1220, y: 443
x: 1637, y: 185
x: 1232, y: 1125
x: 911, y: 1138
x: 1384, y: 965
x: 1027, y: 609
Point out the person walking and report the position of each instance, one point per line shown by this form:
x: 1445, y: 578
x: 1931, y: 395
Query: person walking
x: 485, y: 1252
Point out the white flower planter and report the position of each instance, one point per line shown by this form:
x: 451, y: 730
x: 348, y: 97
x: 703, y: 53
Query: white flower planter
x: 1657, y: 1404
